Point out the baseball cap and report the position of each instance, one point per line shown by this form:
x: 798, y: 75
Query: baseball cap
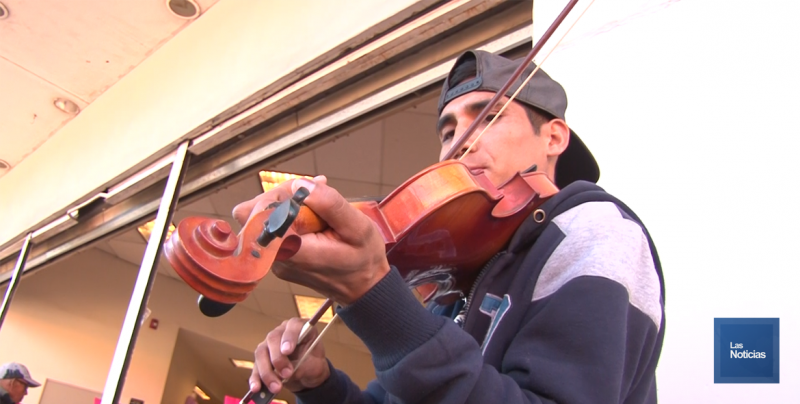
x: 541, y: 92
x: 13, y: 370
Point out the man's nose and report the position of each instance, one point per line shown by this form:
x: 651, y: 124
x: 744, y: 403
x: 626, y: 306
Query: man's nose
x: 463, y: 151
x: 468, y: 147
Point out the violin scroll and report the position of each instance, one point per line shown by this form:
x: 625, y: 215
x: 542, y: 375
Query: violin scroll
x: 223, y: 267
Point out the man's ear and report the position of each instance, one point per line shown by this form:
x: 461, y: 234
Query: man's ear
x: 557, y: 134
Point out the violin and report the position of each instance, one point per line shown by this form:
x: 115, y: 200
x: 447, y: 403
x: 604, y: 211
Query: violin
x: 439, y: 228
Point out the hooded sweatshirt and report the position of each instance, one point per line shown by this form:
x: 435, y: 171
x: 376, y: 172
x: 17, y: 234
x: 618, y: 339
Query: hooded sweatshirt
x: 572, y: 311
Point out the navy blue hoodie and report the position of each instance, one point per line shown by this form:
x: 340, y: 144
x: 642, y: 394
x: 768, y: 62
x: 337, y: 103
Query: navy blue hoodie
x: 571, y: 312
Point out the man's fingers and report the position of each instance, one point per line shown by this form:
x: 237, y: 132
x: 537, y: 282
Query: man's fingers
x: 347, y: 221
x: 243, y: 211
x: 255, y: 379
x: 291, y: 336
x: 262, y: 369
x: 280, y: 363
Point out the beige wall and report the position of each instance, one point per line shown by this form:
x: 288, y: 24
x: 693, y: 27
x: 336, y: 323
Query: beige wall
x: 182, y: 376
x: 234, y: 50
x: 65, y: 319
x: 64, y: 327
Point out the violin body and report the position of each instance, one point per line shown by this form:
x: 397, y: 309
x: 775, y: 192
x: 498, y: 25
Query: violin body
x: 440, y: 227
x: 445, y: 223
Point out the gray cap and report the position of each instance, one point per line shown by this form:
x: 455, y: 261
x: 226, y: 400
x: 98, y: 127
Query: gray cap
x: 14, y: 370
x: 541, y: 92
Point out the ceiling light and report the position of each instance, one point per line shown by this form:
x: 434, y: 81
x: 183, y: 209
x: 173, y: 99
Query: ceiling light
x: 186, y: 9
x: 3, y: 11
x: 270, y: 179
x: 243, y: 364
x: 307, y: 306
x: 200, y: 393
x: 146, y: 229
x: 67, y: 106
x: 4, y: 165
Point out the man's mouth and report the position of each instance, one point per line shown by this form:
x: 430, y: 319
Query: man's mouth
x: 476, y: 170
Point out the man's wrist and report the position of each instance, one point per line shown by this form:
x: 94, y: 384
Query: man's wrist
x: 309, y: 384
x: 327, y: 384
x: 362, y: 285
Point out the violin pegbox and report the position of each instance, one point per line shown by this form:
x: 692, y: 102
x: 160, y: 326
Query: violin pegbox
x: 225, y: 267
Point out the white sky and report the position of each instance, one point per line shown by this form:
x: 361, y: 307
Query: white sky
x: 689, y: 108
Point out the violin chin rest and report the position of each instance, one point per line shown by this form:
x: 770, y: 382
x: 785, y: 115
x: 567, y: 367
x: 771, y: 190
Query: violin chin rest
x: 211, y: 308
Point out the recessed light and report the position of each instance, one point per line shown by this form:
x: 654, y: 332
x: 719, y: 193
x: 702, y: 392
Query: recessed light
x: 307, y: 306
x: 186, y: 9
x: 3, y: 11
x: 146, y: 229
x: 67, y: 106
x: 4, y: 165
x: 270, y: 179
x: 243, y: 364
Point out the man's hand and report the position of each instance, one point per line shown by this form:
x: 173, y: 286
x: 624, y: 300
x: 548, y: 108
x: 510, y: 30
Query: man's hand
x: 344, y: 261
x: 274, y: 359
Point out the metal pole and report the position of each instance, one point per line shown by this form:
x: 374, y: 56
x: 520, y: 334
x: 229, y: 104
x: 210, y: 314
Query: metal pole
x: 18, y: 270
x: 144, y: 282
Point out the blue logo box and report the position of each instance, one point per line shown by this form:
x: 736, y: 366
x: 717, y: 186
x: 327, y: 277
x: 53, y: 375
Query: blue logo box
x: 746, y: 350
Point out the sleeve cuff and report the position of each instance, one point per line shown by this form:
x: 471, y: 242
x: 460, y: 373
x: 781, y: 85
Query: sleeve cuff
x: 333, y: 390
x: 390, y: 321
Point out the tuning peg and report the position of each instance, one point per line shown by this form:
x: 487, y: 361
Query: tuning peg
x: 282, y: 217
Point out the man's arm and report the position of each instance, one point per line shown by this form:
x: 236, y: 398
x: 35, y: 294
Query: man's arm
x: 338, y: 388
x: 588, y: 339
x: 579, y: 348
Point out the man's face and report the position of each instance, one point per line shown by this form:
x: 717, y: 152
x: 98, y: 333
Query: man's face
x: 18, y: 390
x: 508, y: 146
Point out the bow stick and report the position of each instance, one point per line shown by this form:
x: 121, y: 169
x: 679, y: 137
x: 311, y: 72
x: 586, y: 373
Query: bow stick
x: 264, y: 396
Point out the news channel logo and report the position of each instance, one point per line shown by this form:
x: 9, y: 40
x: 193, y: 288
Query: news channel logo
x: 746, y: 350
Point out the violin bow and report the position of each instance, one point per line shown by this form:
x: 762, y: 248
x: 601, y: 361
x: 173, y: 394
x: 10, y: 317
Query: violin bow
x: 264, y: 396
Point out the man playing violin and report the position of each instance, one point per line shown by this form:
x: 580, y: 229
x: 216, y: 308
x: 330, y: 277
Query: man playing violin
x: 571, y: 311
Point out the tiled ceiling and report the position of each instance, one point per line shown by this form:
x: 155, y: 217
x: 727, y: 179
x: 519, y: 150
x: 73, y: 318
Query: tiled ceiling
x: 73, y: 50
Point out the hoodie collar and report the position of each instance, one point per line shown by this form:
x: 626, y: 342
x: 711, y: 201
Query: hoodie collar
x: 565, y: 199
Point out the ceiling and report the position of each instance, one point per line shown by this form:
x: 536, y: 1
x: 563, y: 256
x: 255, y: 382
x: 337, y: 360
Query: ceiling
x: 71, y: 50
x: 356, y: 164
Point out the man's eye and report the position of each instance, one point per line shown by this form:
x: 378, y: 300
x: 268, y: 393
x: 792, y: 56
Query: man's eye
x: 490, y: 117
x: 446, y: 136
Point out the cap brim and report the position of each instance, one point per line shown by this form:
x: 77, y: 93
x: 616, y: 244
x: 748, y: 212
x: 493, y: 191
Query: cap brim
x: 576, y: 163
x: 31, y: 382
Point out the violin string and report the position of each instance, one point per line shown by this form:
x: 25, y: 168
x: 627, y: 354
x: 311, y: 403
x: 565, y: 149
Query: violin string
x: 524, y: 83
